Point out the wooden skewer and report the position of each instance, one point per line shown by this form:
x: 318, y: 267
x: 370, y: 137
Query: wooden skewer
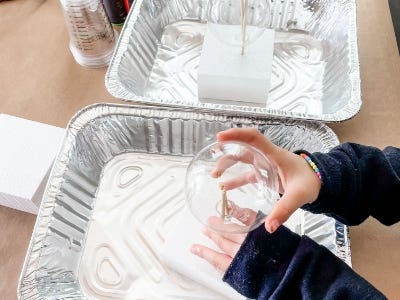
x: 224, y: 203
x: 244, y: 23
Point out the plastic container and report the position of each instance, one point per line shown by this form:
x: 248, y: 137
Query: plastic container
x: 116, y: 11
x: 92, y: 37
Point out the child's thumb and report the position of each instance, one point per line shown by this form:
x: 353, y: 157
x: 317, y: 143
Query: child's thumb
x: 282, y: 210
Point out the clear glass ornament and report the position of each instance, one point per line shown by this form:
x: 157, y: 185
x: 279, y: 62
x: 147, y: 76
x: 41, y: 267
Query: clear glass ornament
x: 231, y: 187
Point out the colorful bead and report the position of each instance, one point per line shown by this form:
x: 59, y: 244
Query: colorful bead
x: 312, y: 164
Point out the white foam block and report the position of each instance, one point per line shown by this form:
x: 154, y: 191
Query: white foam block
x: 176, y: 255
x: 188, y: 231
x: 225, y: 75
x: 27, y: 152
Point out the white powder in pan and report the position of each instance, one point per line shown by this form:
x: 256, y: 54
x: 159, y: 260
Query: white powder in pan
x: 138, y: 204
x: 138, y: 200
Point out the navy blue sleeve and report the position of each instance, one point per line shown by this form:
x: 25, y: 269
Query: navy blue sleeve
x: 357, y: 182
x: 284, y: 265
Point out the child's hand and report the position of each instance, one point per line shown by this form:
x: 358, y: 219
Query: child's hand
x: 229, y: 243
x: 297, y: 181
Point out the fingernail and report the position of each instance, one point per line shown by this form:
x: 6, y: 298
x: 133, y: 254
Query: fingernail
x: 194, y: 250
x: 272, y: 226
x: 216, y: 173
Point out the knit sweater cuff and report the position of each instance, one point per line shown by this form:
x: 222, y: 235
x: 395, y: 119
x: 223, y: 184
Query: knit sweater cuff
x: 263, y: 257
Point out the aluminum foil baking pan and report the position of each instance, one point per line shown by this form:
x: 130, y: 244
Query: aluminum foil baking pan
x: 115, y: 192
x: 315, y: 71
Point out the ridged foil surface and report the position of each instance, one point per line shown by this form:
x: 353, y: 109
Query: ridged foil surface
x: 315, y: 68
x: 115, y: 192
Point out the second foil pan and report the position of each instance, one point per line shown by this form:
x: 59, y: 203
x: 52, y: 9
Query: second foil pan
x: 315, y: 68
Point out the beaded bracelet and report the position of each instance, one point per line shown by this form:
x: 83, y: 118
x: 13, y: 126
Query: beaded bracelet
x: 312, y: 164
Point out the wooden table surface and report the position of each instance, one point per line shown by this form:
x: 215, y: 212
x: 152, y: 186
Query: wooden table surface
x: 39, y: 80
